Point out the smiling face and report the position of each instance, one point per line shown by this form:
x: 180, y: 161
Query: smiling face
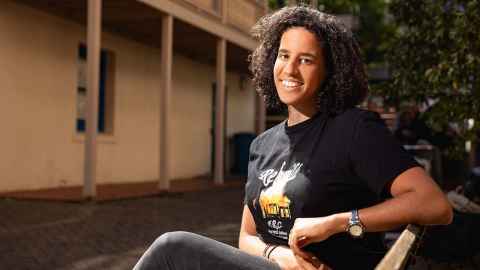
x: 299, y: 69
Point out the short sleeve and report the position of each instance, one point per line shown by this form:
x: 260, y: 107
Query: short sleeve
x: 252, y: 157
x: 377, y: 157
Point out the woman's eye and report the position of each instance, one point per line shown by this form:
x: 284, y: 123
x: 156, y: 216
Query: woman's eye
x: 305, y: 61
x: 282, y: 56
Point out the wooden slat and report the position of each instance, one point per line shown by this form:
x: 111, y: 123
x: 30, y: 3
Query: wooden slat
x: 206, y: 5
x: 397, y: 256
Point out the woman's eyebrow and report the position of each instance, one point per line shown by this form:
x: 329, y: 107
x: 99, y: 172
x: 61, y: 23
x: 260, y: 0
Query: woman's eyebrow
x: 309, y: 55
x: 302, y: 54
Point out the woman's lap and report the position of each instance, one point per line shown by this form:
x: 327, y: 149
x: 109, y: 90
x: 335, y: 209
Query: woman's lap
x: 184, y: 250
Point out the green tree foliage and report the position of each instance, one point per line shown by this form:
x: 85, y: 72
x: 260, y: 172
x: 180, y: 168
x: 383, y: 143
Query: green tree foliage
x: 435, y: 54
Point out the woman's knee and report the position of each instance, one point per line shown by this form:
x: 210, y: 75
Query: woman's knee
x: 173, y: 241
x: 163, y: 251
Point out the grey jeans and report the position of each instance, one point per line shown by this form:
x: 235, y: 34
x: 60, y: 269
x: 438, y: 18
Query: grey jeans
x: 184, y: 250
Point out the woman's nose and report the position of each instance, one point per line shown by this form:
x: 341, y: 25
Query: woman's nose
x: 290, y: 68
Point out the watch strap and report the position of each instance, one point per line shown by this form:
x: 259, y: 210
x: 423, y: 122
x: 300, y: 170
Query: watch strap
x: 354, y: 218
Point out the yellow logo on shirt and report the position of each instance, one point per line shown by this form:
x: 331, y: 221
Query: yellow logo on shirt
x: 273, y: 201
x: 275, y: 205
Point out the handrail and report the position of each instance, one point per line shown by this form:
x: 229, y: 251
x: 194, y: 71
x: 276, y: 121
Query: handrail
x: 397, y: 257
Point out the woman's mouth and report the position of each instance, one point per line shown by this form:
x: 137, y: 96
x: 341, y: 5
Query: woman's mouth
x: 291, y: 84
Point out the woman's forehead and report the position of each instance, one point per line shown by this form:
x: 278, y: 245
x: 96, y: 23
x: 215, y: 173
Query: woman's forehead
x: 299, y: 39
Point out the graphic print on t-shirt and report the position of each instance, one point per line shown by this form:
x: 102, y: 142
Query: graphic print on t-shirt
x: 275, y: 205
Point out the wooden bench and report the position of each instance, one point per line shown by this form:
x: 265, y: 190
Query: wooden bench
x: 398, y: 255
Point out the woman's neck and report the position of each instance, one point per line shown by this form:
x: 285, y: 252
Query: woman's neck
x: 296, y: 116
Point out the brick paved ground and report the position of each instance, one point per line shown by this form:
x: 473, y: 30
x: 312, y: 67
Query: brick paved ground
x: 112, y: 235
x: 109, y: 235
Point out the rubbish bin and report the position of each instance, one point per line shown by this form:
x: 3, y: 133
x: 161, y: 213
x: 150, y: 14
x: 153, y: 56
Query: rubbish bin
x: 241, y: 147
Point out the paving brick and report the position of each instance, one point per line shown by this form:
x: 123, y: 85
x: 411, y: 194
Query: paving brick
x: 113, y: 234
x: 109, y: 235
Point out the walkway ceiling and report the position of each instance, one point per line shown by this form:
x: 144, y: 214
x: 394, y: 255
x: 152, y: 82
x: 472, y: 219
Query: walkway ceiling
x: 137, y: 21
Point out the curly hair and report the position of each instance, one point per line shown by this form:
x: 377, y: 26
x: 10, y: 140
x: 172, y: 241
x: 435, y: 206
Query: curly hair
x: 346, y: 83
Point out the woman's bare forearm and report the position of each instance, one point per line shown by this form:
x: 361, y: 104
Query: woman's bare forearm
x: 251, y: 244
x: 248, y: 240
x: 405, y: 209
x: 423, y: 204
x: 416, y: 199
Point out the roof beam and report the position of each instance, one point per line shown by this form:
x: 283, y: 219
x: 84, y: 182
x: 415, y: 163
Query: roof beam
x: 213, y: 26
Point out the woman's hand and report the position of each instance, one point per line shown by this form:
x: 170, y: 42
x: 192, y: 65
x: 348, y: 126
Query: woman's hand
x: 310, y: 230
x: 287, y: 260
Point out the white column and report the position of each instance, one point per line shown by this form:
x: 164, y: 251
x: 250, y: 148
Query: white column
x: 94, y: 29
x: 218, y: 173
x: 165, y: 94
x: 314, y: 4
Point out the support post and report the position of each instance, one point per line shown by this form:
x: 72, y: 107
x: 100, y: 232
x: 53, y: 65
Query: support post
x: 218, y: 175
x: 94, y: 31
x: 165, y: 94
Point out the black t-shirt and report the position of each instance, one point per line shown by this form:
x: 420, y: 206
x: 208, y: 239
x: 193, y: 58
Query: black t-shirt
x: 322, y: 166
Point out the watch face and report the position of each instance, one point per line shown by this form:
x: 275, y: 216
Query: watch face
x: 356, y: 230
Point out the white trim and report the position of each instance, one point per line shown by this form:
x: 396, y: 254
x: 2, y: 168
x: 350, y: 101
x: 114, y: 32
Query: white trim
x: 214, y: 27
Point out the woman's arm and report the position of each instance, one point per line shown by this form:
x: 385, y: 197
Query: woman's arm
x: 283, y: 256
x: 248, y: 240
x: 416, y: 199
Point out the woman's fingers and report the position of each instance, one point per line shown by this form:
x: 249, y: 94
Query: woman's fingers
x: 300, y: 236
x: 293, y: 242
x: 302, y: 241
x: 296, y: 241
x: 299, y: 252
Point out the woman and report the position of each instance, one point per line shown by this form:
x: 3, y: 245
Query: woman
x: 317, y: 182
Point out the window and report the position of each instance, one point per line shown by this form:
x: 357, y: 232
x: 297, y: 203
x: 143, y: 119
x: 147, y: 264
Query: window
x: 106, y: 91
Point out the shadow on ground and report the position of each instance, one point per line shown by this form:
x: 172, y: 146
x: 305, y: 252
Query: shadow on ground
x: 109, y: 235
x: 113, y: 235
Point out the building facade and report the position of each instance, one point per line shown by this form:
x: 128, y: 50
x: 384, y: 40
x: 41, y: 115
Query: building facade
x: 160, y: 69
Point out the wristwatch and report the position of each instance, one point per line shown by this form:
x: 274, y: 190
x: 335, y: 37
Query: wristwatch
x: 355, y: 227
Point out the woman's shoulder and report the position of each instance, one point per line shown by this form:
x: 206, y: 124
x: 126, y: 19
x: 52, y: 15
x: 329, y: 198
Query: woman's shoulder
x: 350, y: 118
x: 268, y: 134
x: 353, y: 121
x: 356, y: 114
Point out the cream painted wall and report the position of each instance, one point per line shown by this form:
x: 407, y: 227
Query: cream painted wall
x: 40, y: 147
x: 240, y: 105
x: 240, y: 113
x: 190, y: 121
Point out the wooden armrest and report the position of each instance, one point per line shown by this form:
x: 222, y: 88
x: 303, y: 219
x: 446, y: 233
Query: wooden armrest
x: 397, y: 256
